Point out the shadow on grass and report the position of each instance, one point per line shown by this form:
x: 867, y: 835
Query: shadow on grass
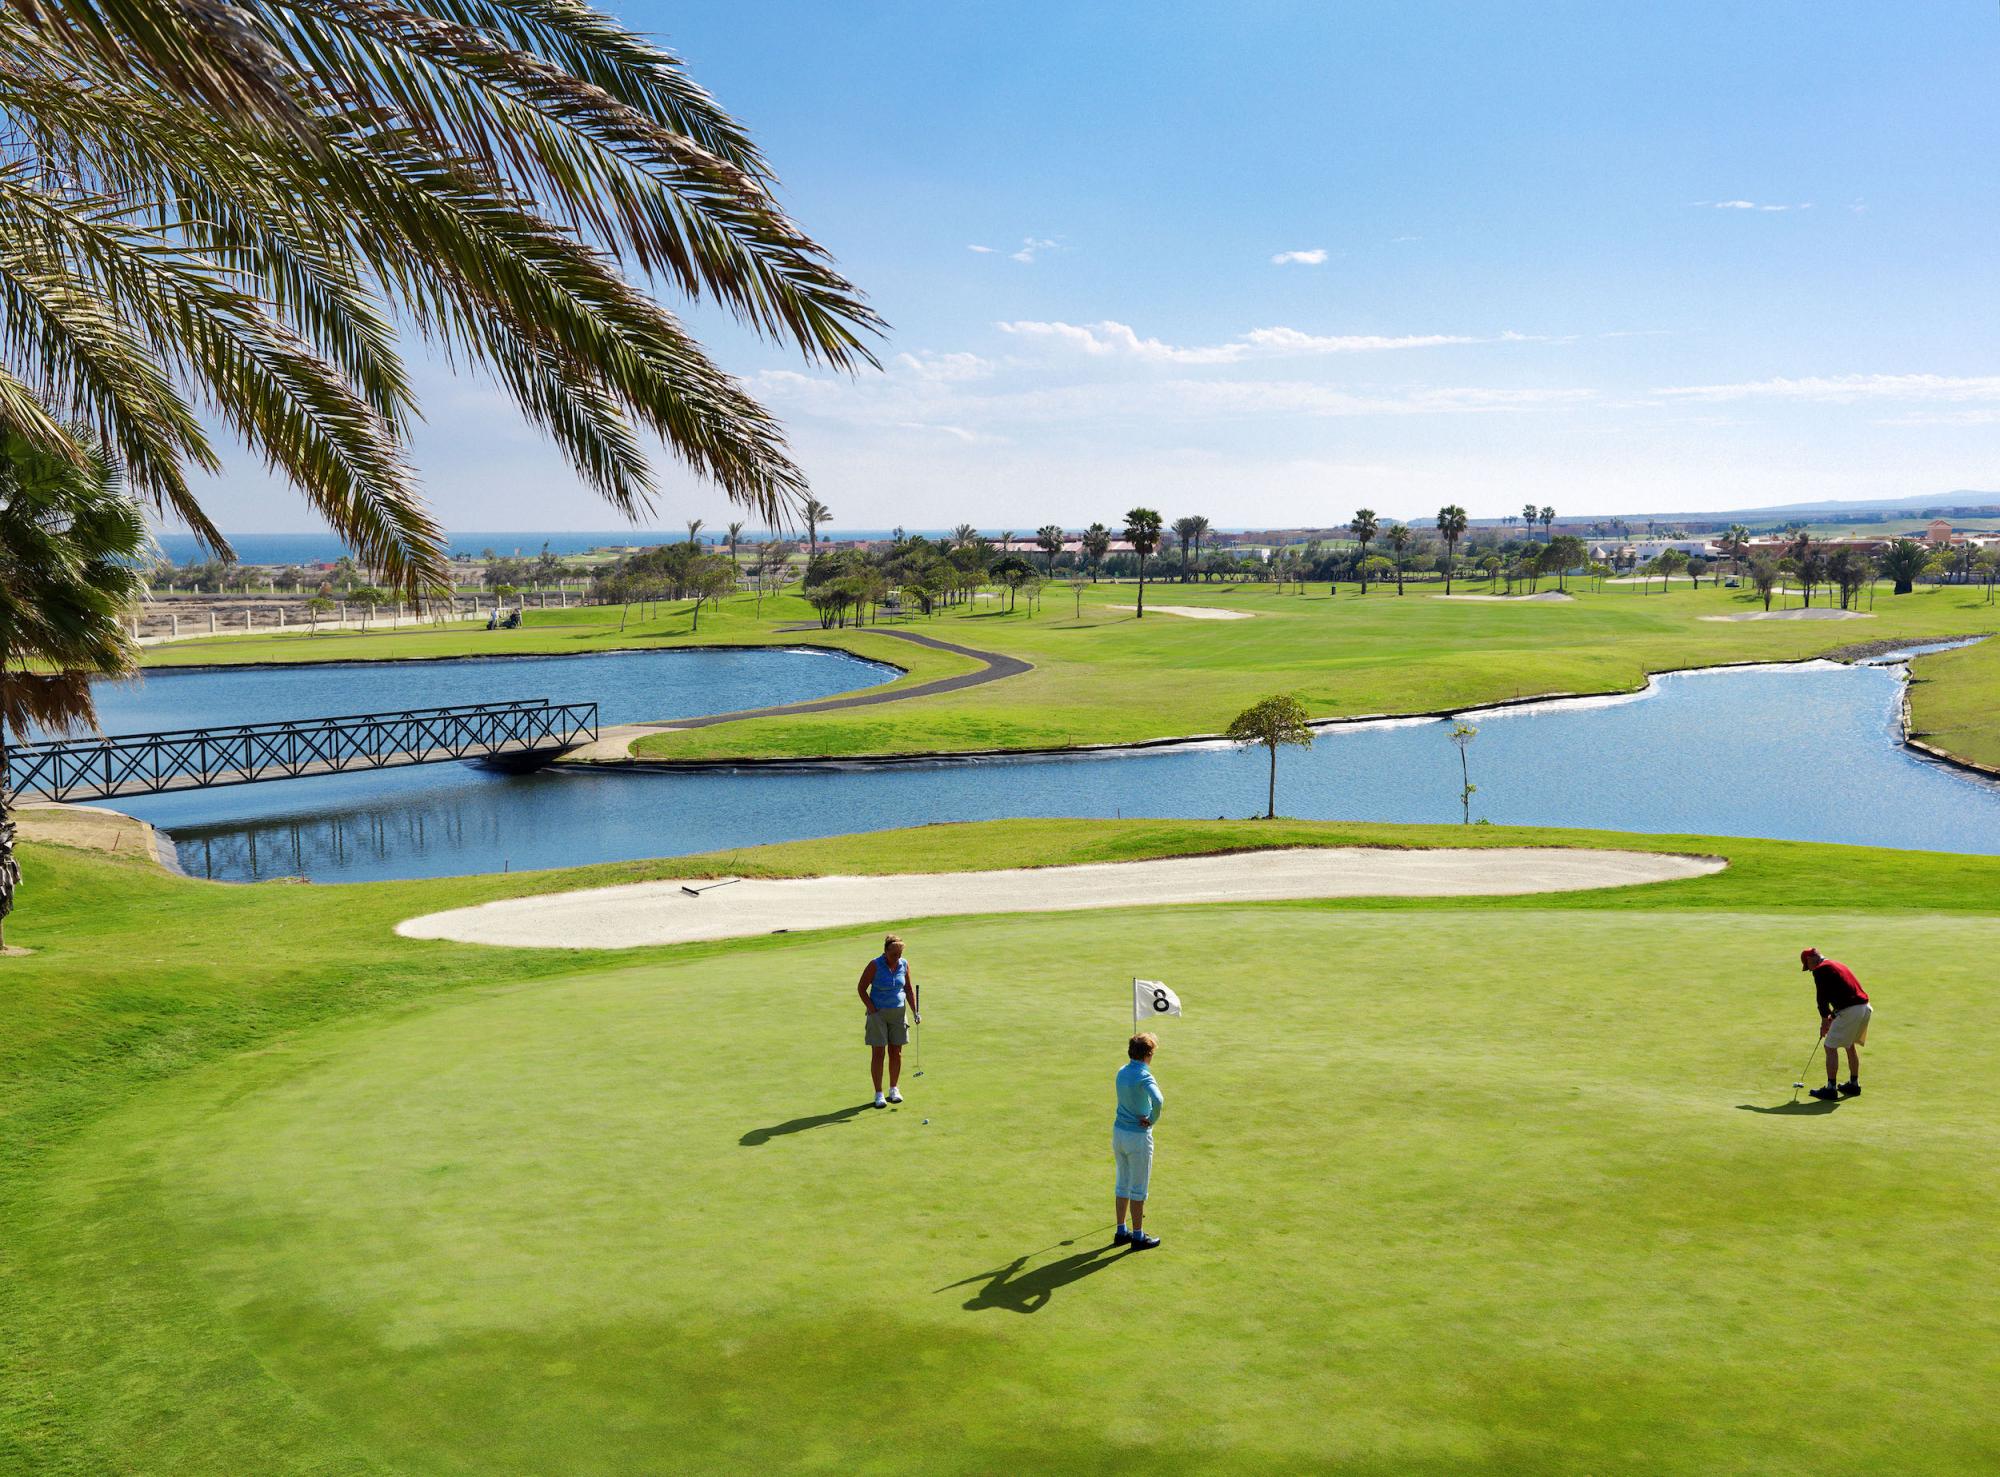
x: 758, y: 1136
x: 1018, y: 1291
x: 1811, y: 1108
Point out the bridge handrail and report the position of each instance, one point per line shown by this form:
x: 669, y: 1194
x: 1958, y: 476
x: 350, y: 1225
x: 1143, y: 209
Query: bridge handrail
x: 292, y: 725
x: 147, y: 763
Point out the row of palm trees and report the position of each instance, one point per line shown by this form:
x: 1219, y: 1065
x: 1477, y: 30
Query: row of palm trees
x: 235, y: 204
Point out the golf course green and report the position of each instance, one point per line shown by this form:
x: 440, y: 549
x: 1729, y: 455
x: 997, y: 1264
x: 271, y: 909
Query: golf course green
x: 1467, y: 1185
x: 1102, y: 676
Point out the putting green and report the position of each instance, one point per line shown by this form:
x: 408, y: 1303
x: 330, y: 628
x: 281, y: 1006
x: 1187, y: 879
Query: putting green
x: 1443, y: 1190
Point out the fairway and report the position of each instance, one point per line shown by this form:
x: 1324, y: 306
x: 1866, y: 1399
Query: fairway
x: 1444, y: 1189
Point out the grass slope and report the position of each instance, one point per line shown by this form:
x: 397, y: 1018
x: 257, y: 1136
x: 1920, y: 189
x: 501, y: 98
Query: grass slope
x: 1448, y: 1187
x: 1955, y: 702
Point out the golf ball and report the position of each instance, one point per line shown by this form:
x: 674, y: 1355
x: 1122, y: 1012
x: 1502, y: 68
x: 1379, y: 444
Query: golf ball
x: 927, y: 1120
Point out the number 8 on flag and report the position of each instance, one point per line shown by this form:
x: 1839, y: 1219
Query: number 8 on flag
x: 1151, y: 998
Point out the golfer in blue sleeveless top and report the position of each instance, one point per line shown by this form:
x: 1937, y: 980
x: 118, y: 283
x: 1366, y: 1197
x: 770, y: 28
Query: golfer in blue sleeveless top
x: 1140, y: 1103
x: 890, y: 998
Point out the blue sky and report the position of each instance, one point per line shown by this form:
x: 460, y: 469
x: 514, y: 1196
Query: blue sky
x: 1610, y: 257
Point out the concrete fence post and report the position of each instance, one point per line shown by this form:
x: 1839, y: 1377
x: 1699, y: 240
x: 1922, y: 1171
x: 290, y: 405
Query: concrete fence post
x: 177, y: 623
x: 211, y: 623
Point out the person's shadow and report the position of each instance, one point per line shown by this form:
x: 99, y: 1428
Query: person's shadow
x: 758, y: 1136
x: 1812, y: 1108
x: 1019, y: 1291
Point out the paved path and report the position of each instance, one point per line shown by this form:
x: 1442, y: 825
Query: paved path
x: 615, y: 743
x: 643, y: 913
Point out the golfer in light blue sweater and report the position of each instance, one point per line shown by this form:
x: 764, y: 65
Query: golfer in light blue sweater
x: 1140, y: 1104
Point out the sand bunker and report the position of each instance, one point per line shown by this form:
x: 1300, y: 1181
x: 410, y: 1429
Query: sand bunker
x: 1543, y: 598
x: 660, y: 913
x: 1816, y: 613
x: 1193, y: 612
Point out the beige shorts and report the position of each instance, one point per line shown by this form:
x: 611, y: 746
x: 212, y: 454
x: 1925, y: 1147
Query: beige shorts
x: 1849, y: 1027
x: 889, y: 1027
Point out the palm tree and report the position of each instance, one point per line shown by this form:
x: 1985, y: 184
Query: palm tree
x: 1736, y: 543
x: 233, y: 205
x: 695, y: 526
x: 1276, y: 720
x: 812, y: 515
x: 1142, y: 532
x: 1903, y: 561
x: 733, y: 538
x: 1548, y: 522
x: 1184, y: 530
x: 1200, y: 525
x: 71, y: 541
x: 1363, y: 526
x: 1399, y: 539
x: 1096, y: 544
x: 964, y: 536
x: 1530, y: 514
x: 1050, y: 539
x: 1451, y: 528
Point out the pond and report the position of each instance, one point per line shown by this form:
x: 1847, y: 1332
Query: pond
x: 1804, y: 752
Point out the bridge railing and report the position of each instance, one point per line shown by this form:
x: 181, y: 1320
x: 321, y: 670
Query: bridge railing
x: 191, y: 758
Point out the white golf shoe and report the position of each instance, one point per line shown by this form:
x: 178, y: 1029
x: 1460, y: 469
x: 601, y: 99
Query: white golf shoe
x: 895, y: 1095
x: 880, y: 1101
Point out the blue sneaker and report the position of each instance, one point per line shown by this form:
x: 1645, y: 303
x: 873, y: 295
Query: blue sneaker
x: 1142, y: 1242
x: 1120, y: 1236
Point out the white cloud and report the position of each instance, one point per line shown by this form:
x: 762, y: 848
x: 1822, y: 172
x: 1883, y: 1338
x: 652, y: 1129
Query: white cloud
x: 1312, y: 258
x: 982, y: 250
x: 1032, y: 247
x: 926, y: 365
x: 1747, y: 205
x: 1847, y: 389
x: 1111, y: 339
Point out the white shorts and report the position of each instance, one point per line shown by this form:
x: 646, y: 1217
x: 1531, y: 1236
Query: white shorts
x: 1849, y: 1027
x: 1132, y: 1152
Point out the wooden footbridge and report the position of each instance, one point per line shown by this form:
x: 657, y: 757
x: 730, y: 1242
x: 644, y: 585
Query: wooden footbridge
x: 524, y: 734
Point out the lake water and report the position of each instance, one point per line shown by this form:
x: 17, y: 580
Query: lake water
x: 1805, y: 752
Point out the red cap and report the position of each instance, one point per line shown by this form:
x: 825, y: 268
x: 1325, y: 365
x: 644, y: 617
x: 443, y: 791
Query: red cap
x: 1806, y: 957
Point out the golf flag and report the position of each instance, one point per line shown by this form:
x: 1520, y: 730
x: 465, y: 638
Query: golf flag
x: 1150, y: 998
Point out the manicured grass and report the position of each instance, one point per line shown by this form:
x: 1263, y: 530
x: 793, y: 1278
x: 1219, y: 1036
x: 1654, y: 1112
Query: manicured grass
x: 1955, y: 701
x: 1110, y: 678
x: 1448, y: 1187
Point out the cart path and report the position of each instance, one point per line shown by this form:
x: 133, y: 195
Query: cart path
x: 614, y: 744
x: 642, y: 913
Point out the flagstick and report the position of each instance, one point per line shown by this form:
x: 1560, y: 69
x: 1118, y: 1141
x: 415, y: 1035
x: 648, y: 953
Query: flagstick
x: 1135, y: 1005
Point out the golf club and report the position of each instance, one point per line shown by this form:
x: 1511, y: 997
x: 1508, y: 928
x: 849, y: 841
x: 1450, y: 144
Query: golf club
x: 917, y: 1031
x: 1804, y: 1069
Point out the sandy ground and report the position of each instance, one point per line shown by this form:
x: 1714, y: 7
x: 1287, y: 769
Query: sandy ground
x: 1543, y: 598
x: 87, y: 827
x: 660, y: 913
x: 1194, y: 612
x: 1816, y: 613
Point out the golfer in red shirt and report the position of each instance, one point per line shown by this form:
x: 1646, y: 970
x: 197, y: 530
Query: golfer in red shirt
x: 1844, y: 1012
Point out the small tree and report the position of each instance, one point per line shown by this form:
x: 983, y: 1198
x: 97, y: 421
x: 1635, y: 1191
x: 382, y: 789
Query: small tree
x: 1142, y: 532
x: 1399, y: 538
x: 1462, y: 735
x: 1096, y: 544
x: 316, y: 607
x: 1764, y: 576
x: 1903, y: 561
x: 1276, y: 720
x: 1076, y: 584
x: 1364, y: 527
x: 813, y: 514
x: 1451, y: 528
x: 370, y: 596
x: 1049, y: 539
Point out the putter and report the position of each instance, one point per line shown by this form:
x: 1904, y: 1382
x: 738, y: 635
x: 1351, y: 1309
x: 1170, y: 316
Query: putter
x: 917, y: 1030
x: 1803, y: 1070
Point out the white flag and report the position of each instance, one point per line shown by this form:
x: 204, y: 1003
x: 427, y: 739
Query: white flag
x: 1150, y: 997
